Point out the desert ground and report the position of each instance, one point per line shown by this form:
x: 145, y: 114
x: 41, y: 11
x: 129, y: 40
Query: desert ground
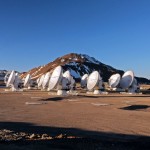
x: 36, y: 120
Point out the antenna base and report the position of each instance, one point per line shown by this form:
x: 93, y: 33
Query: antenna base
x: 62, y: 92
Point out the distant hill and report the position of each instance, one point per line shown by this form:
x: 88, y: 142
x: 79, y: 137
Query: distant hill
x: 79, y: 64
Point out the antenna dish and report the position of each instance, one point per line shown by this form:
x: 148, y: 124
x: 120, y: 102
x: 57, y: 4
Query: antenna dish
x: 37, y: 81
x: 27, y: 80
x: 127, y: 79
x: 72, y: 84
x: 16, y: 83
x: 67, y: 75
x: 84, y: 80
x: 41, y: 80
x: 55, y: 77
x: 45, y: 80
x: 13, y: 81
x: 93, y: 80
x: 134, y: 86
x: 11, y: 78
x: 114, y: 80
x: 6, y: 77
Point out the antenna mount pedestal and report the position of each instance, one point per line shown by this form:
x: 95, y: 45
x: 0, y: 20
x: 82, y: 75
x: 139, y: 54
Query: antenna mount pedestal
x: 61, y: 92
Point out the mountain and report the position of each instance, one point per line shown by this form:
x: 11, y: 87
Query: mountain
x: 79, y: 64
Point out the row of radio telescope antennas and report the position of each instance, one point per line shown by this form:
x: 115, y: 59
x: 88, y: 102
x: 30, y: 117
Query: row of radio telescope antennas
x: 65, y: 84
x: 94, y: 82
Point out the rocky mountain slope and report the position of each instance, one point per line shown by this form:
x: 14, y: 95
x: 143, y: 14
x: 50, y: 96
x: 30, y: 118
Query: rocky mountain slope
x: 78, y: 64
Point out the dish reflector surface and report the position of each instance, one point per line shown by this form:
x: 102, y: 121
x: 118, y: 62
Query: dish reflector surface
x: 46, y: 79
x: 6, y: 77
x: 67, y: 75
x: 37, y: 81
x: 127, y: 79
x: 84, y: 80
x: 11, y: 78
x: 55, y: 77
x: 41, y: 80
x: 84, y: 77
x: 93, y: 79
x: 27, y: 80
x: 134, y: 82
x: 114, y: 80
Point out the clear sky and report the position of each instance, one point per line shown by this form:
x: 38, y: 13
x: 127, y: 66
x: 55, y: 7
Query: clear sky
x: 35, y: 32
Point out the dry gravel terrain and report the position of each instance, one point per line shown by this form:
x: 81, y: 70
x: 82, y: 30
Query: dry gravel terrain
x: 36, y: 120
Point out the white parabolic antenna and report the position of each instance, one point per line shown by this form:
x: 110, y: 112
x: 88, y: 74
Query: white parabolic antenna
x: 6, y: 77
x: 114, y: 80
x: 11, y: 78
x: 84, y: 80
x: 17, y: 79
x: 85, y: 76
x: 67, y: 75
x: 93, y: 80
x: 27, y: 80
x: 41, y: 80
x: 37, y: 81
x: 46, y: 79
x: 127, y: 79
x: 55, y: 77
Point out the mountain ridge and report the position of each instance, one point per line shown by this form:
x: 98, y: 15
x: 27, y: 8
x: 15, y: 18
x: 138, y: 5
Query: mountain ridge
x: 79, y: 64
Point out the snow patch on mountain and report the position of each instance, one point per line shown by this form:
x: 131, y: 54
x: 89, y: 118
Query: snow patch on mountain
x: 90, y: 59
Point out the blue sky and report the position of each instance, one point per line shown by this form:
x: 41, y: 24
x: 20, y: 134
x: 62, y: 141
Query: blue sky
x: 35, y: 32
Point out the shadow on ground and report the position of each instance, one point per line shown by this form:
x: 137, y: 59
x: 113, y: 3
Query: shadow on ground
x: 89, y: 140
x: 135, y: 107
x: 57, y: 98
x: 52, y: 99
